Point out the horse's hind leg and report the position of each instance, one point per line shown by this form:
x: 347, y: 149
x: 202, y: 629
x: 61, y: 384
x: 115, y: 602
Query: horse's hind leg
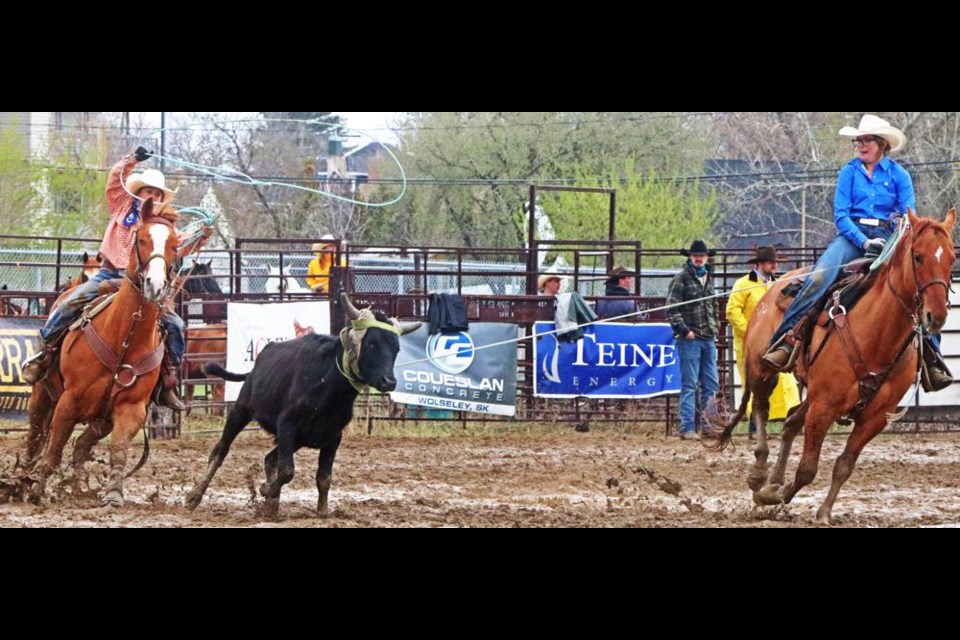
x: 759, y: 416
x: 63, y: 422
x: 863, y: 432
x: 791, y: 427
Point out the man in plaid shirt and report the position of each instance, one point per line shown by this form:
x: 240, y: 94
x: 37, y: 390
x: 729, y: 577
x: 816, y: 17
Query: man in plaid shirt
x: 695, y: 326
x: 115, y: 249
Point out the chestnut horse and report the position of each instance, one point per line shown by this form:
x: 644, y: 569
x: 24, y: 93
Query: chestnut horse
x: 107, y: 374
x: 91, y: 267
x: 911, y: 290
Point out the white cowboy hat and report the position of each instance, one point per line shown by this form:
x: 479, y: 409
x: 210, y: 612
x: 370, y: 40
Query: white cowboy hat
x: 150, y: 178
x: 547, y: 277
x: 327, y: 241
x: 874, y: 126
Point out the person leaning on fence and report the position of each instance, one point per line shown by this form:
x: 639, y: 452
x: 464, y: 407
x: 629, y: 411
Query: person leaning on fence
x: 743, y: 301
x: 695, y: 326
x: 619, y: 284
x: 872, y: 192
x: 116, y: 249
x: 318, y: 272
x: 549, y: 284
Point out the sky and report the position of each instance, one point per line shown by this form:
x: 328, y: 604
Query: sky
x: 377, y: 123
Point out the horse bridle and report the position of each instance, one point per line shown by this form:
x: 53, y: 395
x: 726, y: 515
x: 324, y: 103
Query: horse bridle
x: 920, y: 288
x: 142, y: 265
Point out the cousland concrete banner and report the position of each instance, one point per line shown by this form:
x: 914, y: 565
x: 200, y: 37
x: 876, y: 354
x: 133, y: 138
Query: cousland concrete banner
x: 450, y: 372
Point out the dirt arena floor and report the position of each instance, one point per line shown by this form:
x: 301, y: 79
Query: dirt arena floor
x: 511, y: 476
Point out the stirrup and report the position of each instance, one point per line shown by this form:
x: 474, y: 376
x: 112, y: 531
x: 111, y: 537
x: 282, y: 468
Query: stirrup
x: 778, y: 346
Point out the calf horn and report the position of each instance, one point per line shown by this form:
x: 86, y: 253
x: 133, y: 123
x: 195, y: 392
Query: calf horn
x: 409, y: 327
x: 352, y: 311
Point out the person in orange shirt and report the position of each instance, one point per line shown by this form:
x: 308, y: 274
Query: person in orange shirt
x: 318, y: 272
x: 125, y: 192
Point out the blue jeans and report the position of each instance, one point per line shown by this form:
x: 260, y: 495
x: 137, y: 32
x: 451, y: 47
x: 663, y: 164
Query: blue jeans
x: 840, y: 252
x: 86, y: 293
x: 698, y: 365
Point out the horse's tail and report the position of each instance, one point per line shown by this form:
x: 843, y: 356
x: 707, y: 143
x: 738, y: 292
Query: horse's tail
x: 719, y: 439
x: 216, y: 370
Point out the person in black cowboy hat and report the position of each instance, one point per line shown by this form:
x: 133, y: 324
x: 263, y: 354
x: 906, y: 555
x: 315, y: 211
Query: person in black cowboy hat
x: 619, y: 284
x: 744, y: 298
x: 695, y: 327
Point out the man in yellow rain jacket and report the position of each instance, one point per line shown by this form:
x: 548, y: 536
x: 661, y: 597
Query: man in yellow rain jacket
x: 318, y: 273
x: 743, y: 300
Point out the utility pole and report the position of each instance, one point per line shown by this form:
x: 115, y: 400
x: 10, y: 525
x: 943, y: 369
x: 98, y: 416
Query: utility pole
x: 803, y: 217
x: 163, y: 137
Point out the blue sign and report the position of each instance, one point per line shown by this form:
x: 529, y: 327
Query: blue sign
x: 612, y: 360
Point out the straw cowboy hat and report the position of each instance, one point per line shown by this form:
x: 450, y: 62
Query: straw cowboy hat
x: 699, y: 247
x: 547, y: 277
x: 874, y: 126
x: 150, y: 178
x: 327, y: 241
x: 764, y: 254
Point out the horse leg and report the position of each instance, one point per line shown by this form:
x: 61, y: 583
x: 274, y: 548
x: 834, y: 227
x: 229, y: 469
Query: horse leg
x: 761, y: 411
x: 128, y: 418
x: 819, y: 418
x: 40, y: 411
x: 286, y: 447
x: 218, y: 394
x: 325, y: 473
x: 791, y: 427
x: 187, y: 398
x: 239, y: 418
x: 82, y: 453
x: 863, y: 432
x: 61, y: 426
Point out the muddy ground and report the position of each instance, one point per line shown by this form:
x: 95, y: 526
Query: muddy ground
x: 515, y: 477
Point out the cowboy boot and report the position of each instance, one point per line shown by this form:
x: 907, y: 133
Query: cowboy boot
x: 934, y: 376
x: 167, y: 388
x: 780, y: 355
x: 34, y: 368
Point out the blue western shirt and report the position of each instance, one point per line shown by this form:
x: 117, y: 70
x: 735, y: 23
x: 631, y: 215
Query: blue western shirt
x: 889, y: 191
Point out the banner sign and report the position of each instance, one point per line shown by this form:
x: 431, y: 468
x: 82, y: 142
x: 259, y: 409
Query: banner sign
x: 251, y: 327
x: 450, y: 373
x: 613, y: 360
x: 18, y: 341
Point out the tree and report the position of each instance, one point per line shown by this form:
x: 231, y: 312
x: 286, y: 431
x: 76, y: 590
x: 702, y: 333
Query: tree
x: 480, y: 163
x: 662, y: 213
x: 19, y: 184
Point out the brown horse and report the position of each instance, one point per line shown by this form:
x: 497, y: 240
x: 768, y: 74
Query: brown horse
x: 206, y: 343
x: 911, y: 290
x: 110, y: 398
x: 91, y: 267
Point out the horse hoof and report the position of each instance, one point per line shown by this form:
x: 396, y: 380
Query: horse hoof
x: 270, y: 508
x: 192, y: 501
x: 756, y: 480
x: 113, y: 498
x: 768, y: 496
x: 823, y: 517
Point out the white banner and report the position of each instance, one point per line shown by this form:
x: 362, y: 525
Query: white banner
x: 251, y: 327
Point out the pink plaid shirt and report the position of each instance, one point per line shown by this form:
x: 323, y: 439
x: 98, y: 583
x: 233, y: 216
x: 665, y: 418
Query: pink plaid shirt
x: 118, y: 240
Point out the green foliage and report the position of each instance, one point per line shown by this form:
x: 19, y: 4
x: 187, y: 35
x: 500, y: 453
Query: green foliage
x: 470, y: 155
x: 19, y: 183
x: 78, y: 208
x: 661, y: 212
